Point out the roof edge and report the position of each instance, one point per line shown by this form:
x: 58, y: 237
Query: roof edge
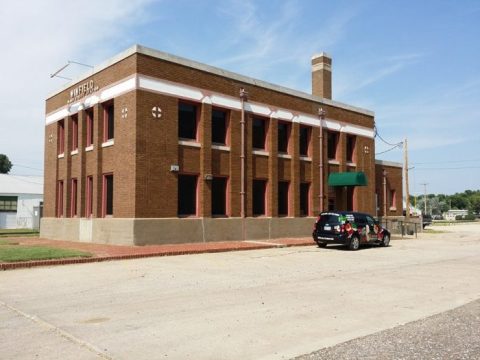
x: 210, y: 69
x: 388, y: 163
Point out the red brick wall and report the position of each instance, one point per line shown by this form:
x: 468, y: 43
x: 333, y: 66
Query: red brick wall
x: 145, y: 147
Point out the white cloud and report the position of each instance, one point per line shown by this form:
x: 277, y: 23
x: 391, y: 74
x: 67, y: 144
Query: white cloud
x: 37, y: 38
x: 257, y: 42
x: 362, y: 74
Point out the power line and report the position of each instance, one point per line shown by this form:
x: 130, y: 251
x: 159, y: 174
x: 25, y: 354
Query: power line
x: 386, y: 142
x: 446, y: 162
x: 393, y: 148
x: 27, y: 167
x: 449, y: 168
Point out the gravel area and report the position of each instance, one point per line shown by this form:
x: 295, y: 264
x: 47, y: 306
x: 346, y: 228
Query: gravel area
x: 454, y: 334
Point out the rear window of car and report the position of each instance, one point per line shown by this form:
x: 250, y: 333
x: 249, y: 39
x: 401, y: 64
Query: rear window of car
x: 333, y: 218
x: 329, y: 219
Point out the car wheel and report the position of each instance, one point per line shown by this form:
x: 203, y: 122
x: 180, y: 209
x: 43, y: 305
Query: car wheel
x: 354, y: 243
x: 322, y: 245
x: 386, y: 240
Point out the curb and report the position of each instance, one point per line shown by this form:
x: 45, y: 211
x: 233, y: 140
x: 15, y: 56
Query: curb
x: 37, y: 263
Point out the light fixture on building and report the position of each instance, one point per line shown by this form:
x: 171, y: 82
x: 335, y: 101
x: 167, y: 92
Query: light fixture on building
x: 209, y: 177
x: 174, y: 168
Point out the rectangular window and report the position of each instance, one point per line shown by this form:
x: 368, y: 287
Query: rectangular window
x: 219, y: 126
x: 304, y: 140
x: 283, y: 198
x: 393, y: 199
x: 259, y: 132
x: 8, y: 203
x: 219, y: 196
x: 350, y: 148
x: 107, y: 195
x: 283, y: 137
x: 73, y: 198
x: 259, y: 193
x: 304, y: 199
x: 89, y: 121
x: 60, y: 198
x: 187, y: 195
x: 332, y: 145
x: 61, y: 137
x: 187, y: 121
x: 89, y: 197
x: 108, y: 121
x: 74, y: 132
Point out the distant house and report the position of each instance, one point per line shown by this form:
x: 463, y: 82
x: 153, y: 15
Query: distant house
x: 452, y: 214
x: 20, y: 198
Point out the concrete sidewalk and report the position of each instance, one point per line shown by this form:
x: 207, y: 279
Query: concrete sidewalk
x: 105, y: 252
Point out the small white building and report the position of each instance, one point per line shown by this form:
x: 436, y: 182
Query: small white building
x: 20, y: 198
x: 452, y: 214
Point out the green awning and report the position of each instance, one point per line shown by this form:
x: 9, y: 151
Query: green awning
x: 347, y: 179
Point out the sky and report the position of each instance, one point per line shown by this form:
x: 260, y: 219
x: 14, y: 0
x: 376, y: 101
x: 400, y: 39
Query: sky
x: 416, y: 64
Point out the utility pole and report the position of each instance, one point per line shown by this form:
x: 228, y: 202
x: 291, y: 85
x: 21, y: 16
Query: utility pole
x: 425, y: 196
x: 405, y: 175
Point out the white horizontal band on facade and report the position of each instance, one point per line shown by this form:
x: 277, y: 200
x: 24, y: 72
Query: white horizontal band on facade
x: 141, y: 82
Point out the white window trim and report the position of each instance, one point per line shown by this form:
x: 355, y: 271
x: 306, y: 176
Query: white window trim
x: 108, y: 143
x: 189, y: 143
x: 351, y: 164
x: 285, y: 156
x: 89, y: 148
x: 305, y: 158
x: 334, y: 162
x: 61, y: 156
x: 74, y: 152
x: 221, y: 147
x: 260, y: 152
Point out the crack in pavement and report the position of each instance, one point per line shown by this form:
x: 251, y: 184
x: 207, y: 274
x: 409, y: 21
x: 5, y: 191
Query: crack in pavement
x: 58, y: 331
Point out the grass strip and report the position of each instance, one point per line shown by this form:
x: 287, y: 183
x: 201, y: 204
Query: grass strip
x: 29, y: 253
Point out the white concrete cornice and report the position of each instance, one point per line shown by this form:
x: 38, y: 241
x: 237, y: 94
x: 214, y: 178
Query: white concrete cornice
x: 181, y: 91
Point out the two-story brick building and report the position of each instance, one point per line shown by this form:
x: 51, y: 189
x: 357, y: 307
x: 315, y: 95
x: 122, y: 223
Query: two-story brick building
x: 153, y: 148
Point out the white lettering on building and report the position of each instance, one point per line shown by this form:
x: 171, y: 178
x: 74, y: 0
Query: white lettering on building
x: 82, y: 90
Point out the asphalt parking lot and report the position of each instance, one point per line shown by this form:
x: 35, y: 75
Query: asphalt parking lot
x: 261, y: 304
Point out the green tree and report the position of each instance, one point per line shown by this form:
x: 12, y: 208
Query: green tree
x: 5, y: 164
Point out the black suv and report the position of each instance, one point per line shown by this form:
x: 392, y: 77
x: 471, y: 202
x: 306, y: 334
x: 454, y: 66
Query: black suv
x: 349, y: 228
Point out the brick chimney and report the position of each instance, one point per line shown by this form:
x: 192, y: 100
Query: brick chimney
x: 322, y: 75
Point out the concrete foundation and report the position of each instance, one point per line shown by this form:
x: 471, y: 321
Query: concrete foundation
x: 173, y: 230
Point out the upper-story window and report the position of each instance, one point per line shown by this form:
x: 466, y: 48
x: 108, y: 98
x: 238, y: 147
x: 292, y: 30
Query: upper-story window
x: 332, y: 145
x: 89, y: 123
x: 74, y: 132
x: 187, y: 121
x: 61, y: 137
x: 304, y: 140
x: 259, y: 132
x: 108, y: 121
x: 351, y: 148
x: 283, y: 137
x: 219, y: 126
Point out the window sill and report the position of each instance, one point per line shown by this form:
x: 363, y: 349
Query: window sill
x: 260, y: 152
x: 305, y: 158
x: 285, y: 156
x: 393, y: 208
x: 352, y: 164
x: 189, y: 143
x: 89, y: 148
x: 333, y: 162
x: 108, y: 143
x: 221, y: 147
x: 74, y: 152
x: 61, y: 156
